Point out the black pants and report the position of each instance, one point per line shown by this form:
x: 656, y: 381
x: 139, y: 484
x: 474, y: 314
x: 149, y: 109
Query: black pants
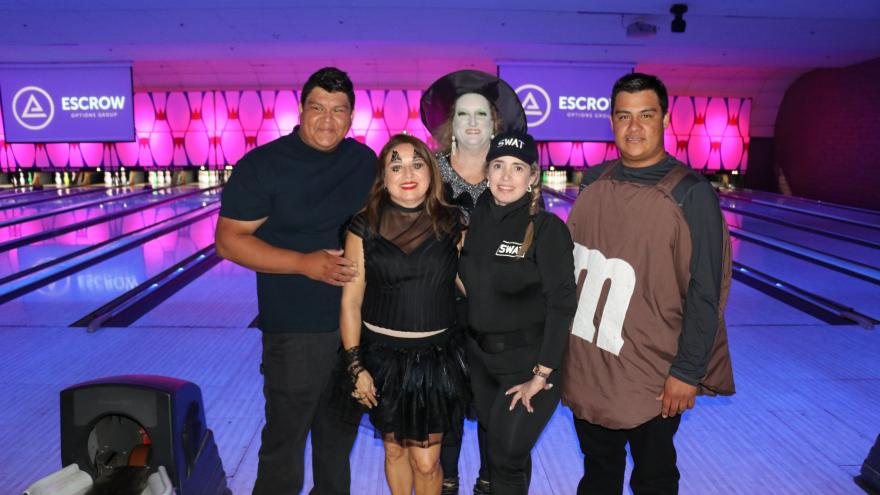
x: 653, y: 452
x: 510, y: 434
x: 296, y: 371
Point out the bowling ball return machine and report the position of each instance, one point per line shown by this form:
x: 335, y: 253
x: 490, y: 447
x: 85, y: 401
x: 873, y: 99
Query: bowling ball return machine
x: 135, y: 435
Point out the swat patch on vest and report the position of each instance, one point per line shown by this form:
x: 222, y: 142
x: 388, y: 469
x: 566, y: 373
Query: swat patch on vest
x: 509, y: 249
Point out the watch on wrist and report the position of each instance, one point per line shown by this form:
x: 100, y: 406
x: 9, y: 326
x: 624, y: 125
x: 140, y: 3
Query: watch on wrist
x: 537, y: 371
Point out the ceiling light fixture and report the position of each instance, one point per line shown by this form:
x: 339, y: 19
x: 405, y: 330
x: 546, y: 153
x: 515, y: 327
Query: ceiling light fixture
x: 678, y: 23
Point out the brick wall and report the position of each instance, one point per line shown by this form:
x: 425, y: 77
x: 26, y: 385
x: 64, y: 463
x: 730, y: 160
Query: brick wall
x: 828, y: 135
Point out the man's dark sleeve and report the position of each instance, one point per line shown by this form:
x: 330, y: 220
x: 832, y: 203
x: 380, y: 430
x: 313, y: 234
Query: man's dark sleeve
x: 700, y: 322
x: 245, y: 196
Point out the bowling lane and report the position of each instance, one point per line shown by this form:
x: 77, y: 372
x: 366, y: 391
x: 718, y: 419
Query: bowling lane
x: 800, y: 218
x: 67, y: 203
x: 112, y: 205
x: 839, y: 287
x: 9, y: 192
x: 40, y: 252
x: 863, y: 215
x: 558, y: 205
x: 50, y: 198
x: 69, y: 299
x: 224, y: 296
x: 748, y: 306
x: 828, y: 245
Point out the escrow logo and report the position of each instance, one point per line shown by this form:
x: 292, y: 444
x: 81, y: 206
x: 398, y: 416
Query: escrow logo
x: 32, y: 108
x: 537, y: 108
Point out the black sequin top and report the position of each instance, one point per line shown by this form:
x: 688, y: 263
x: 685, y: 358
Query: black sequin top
x: 459, y: 192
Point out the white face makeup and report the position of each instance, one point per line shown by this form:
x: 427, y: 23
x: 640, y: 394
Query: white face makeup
x: 472, y: 123
x: 407, y: 176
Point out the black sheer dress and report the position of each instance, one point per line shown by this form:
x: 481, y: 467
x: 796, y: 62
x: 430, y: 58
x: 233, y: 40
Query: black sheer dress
x: 410, y: 287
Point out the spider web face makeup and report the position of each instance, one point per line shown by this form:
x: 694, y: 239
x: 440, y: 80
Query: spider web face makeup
x: 407, y: 176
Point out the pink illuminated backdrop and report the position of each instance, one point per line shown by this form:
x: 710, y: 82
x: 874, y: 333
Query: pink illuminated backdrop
x: 215, y: 128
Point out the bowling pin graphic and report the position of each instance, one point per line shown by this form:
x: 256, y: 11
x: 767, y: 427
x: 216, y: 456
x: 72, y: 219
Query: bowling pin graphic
x: 177, y: 115
x: 717, y: 117
x: 196, y: 140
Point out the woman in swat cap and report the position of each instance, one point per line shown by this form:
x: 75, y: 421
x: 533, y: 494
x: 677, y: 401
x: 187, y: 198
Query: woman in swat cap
x: 517, y: 267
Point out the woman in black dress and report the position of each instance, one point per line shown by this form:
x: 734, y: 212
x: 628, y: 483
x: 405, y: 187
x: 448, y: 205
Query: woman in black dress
x: 397, y: 320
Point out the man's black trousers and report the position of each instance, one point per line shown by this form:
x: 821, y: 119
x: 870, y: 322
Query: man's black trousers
x: 652, y: 448
x: 297, y: 368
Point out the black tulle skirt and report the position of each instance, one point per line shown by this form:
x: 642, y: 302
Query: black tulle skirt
x: 422, y: 384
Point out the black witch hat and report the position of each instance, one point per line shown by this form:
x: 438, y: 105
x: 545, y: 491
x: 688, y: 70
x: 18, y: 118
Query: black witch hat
x: 439, y: 98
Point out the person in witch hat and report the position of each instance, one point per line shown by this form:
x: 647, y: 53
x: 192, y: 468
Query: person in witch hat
x: 463, y: 111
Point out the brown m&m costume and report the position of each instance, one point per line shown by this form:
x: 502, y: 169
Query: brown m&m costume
x: 652, y: 263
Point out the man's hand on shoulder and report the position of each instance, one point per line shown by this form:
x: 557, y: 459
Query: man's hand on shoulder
x: 677, y: 397
x: 328, y: 266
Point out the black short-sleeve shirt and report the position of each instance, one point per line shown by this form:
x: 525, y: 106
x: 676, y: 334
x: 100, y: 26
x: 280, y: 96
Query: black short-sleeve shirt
x: 307, y: 196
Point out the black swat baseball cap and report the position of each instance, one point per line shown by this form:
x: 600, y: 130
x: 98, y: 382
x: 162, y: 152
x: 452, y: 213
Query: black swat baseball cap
x: 516, y: 144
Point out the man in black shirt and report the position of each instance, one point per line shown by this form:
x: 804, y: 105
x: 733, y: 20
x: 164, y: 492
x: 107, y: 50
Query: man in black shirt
x: 282, y: 215
x: 649, y: 243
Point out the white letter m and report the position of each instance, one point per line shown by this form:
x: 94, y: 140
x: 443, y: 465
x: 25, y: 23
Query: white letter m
x: 623, y: 282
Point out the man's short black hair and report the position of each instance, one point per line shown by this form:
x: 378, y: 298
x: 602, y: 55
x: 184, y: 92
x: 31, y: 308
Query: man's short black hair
x: 635, y: 82
x: 330, y: 79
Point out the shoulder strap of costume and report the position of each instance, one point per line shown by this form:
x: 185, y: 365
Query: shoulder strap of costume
x: 608, y: 169
x: 676, y: 175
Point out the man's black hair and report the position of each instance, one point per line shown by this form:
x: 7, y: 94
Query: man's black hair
x: 635, y: 82
x: 331, y: 80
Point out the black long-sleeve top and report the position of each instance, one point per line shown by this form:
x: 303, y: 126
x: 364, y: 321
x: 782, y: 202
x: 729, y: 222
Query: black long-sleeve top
x: 702, y: 213
x: 509, y: 293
